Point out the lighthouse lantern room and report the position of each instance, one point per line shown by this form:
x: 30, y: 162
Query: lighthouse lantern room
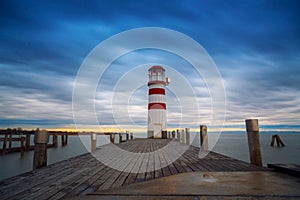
x: 157, y: 120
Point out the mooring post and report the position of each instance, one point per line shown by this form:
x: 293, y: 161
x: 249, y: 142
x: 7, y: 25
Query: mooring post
x: 131, y: 136
x: 4, y: 142
x: 178, y: 135
x: 182, y: 136
x: 54, y: 140
x: 27, y: 141
x: 66, y: 138
x: 112, y: 138
x: 127, y: 135
x: 203, y: 138
x: 62, y: 139
x: 252, y: 129
x: 187, y: 133
x: 22, y: 144
x: 93, y: 141
x: 10, y: 138
x: 41, y: 138
x: 120, y: 137
x: 173, y: 134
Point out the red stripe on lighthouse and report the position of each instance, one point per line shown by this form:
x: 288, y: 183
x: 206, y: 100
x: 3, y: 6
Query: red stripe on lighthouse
x: 161, y: 106
x: 157, y: 91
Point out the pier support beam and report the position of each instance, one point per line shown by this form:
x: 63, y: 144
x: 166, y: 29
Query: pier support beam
x: 203, y: 138
x: 187, y: 134
x: 253, y: 141
x: 41, y: 138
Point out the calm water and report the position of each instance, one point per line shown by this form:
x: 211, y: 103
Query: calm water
x: 233, y: 144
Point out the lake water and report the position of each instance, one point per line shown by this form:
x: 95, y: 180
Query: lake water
x: 233, y: 144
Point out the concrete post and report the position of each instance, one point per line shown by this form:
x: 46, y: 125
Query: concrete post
x: 112, y: 138
x: 187, y: 133
x: 203, y: 138
x: 93, y: 141
x: 252, y: 129
x: 41, y: 138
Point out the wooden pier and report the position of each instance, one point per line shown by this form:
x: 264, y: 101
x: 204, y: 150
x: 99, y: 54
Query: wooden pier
x: 84, y: 174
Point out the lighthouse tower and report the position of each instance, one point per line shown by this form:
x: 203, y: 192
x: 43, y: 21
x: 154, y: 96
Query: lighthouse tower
x: 157, y: 119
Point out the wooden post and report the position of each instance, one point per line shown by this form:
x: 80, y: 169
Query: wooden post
x: 278, y: 141
x: 93, y: 141
x: 131, y: 136
x: 10, y: 138
x: 41, y: 138
x: 62, y: 139
x: 127, y: 135
x: 187, y: 133
x: 54, y: 140
x: 178, y: 135
x: 4, y: 144
x: 203, y: 138
x: 22, y: 144
x: 27, y: 142
x: 66, y: 138
x: 120, y: 137
x: 253, y: 141
x: 112, y: 138
x: 173, y: 134
x: 182, y: 136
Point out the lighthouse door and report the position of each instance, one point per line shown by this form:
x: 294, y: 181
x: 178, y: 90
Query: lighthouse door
x: 157, y: 130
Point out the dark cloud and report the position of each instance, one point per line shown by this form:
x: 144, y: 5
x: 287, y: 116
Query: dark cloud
x: 255, y: 44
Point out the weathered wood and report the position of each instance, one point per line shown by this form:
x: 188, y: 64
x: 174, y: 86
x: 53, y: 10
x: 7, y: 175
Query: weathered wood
x: 4, y: 144
x: 112, y: 138
x: 22, y: 144
x: 41, y: 138
x: 187, y: 135
x: 120, y: 137
x: 27, y: 142
x: 55, y: 140
x: 203, y: 138
x: 84, y: 174
x: 278, y: 141
x: 253, y: 141
x: 178, y: 135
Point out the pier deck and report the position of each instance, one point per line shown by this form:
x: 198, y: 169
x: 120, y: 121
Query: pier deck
x: 84, y: 174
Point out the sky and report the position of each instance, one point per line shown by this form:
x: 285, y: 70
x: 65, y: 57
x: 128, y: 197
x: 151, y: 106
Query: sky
x: 254, y: 44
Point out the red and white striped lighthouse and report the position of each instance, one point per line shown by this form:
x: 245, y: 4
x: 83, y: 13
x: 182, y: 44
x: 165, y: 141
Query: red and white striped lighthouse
x: 157, y: 119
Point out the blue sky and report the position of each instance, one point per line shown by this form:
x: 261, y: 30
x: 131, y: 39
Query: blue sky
x: 255, y: 45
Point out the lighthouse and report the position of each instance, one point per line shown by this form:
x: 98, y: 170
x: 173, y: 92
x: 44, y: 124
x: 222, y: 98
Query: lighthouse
x: 157, y: 117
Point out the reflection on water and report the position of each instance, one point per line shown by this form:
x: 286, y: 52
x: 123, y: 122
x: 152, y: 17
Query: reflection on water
x: 233, y: 145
